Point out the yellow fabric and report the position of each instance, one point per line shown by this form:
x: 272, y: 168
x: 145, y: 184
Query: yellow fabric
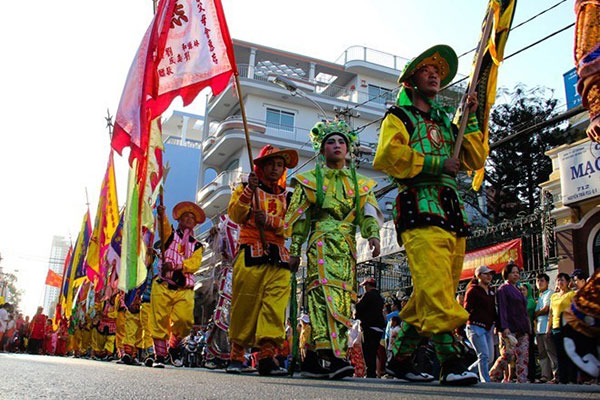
x: 192, y: 264
x: 396, y: 157
x: 120, y: 332
x: 237, y: 210
x: 86, y: 340
x: 97, y: 341
x: 558, y: 304
x: 172, y: 311
x: 77, y: 341
x: 260, y: 296
x: 435, y: 260
x: 145, y: 312
x: 133, y: 330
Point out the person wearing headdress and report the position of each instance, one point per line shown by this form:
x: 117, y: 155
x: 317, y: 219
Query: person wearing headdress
x: 172, y: 296
x: 328, y: 205
x: 261, y: 272
x: 416, y: 144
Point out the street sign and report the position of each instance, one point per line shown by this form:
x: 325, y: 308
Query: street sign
x: 573, y: 98
x: 579, y: 170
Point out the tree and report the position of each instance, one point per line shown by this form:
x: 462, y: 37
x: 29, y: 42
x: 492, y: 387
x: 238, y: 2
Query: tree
x: 13, y: 295
x: 515, y: 170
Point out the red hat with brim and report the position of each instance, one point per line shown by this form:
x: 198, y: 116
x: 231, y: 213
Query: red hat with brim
x: 289, y: 156
x: 188, y: 206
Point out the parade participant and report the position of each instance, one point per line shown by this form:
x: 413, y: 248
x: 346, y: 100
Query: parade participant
x: 415, y: 147
x: 86, y: 336
x: 223, y: 239
x: 36, y: 333
x: 120, y: 329
x: 261, y: 276
x: 153, y: 264
x: 587, y: 61
x: 63, y: 337
x: 581, y: 331
x: 106, y: 328
x: 328, y: 205
x: 172, y: 297
x: 134, y: 333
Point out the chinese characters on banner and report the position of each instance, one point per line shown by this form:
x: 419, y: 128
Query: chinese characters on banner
x: 195, y: 49
x: 496, y: 257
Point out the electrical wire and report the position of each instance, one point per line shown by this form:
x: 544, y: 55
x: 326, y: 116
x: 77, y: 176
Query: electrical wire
x: 521, y: 24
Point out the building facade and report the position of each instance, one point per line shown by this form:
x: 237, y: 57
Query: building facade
x: 56, y: 261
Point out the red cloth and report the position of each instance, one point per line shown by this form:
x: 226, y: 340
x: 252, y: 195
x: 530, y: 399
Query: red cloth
x: 38, y: 327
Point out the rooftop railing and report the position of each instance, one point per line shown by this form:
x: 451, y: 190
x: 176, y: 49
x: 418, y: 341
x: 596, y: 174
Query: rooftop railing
x: 362, y: 53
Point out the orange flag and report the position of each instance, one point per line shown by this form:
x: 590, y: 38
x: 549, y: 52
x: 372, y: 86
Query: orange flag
x: 53, y: 279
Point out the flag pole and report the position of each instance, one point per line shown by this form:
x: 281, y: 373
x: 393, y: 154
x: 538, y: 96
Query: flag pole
x: 485, y: 37
x: 249, y: 148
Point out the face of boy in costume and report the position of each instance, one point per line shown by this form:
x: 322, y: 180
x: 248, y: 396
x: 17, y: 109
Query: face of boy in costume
x: 427, y: 80
x: 335, y: 148
x: 187, y: 221
x: 273, y: 168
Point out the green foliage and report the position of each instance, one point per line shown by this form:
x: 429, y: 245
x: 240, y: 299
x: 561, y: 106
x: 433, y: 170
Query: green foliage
x: 14, y: 295
x: 516, y: 169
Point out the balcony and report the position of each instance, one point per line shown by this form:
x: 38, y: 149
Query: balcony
x: 366, y: 54
x: 228, y: 138
x: 214, y: 197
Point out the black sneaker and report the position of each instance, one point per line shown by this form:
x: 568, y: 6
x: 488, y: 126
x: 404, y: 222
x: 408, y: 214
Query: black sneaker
x: 235, y: 367
x: 126, y: 359
x: 311, y: 367
x: 339, y: 369
x: 454, y: 373
x: 405, y: 371
x: 159, y: 362
x: 267, y: 367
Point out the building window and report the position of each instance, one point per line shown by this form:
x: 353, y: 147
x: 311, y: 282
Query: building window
x: 279, y: 119
x: 380, y: 95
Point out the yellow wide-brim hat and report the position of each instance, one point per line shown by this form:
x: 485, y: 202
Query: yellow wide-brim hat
x: 188, y: 206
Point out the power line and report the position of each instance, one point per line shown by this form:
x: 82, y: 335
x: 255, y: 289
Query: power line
x: 521, y: 24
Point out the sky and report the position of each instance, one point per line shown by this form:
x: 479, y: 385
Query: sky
x: 65, y: 62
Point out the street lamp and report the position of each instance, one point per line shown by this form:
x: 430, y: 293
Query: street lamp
x: 291, y: 86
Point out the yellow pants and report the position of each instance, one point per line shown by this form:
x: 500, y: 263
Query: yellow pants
x: 77, y: 341
x: 101, y: 343
x: 259, y: 299
x: 86, y: 340
x: 120, y: 332
x: 134, y: 333
x: 145, y: 313
x: 435, y: 259
x: 172, y: 311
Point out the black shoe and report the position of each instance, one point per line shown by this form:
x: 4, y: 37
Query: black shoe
x: 311, y: 367
x: 235, y: 367
x: 159, y: 362
x: 268, y: 367
x: 454, y: 373
x: 405, y: 371
x: 339, y: 369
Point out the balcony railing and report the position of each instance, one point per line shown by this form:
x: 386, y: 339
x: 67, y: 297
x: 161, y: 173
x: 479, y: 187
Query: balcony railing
x: 176, y: 140
x: 234, y: 122
x: 350, y: 93
x: 362, y: 53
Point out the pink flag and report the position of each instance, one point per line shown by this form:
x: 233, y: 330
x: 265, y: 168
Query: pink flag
x: 186, y: 48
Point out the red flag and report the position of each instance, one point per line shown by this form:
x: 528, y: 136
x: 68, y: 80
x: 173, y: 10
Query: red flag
x: 53, y: 279
x: 186, y: 48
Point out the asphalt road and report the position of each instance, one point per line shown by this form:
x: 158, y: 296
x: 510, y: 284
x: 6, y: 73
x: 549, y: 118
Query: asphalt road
x: 34, y: 377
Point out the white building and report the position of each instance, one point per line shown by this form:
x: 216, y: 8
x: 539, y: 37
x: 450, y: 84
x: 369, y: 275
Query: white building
x: 58, y: 254
x: 362, y: 80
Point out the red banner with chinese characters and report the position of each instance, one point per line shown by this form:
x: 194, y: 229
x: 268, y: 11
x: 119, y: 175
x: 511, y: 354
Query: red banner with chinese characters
x: 495, y: 257
x: 186, y: 48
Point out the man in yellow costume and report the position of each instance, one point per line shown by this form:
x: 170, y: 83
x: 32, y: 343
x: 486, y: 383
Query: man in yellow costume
x: 328, y: 205
x: 261, y: 276
x: 416, y: 144
x: 172, y: 297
